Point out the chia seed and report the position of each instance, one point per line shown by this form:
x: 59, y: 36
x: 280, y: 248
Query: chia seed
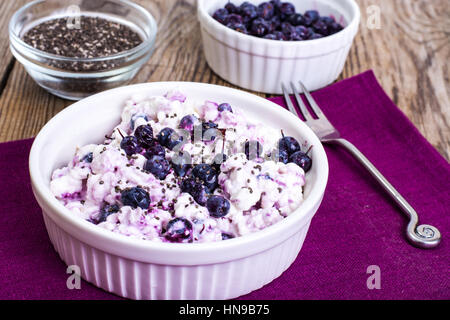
x: 97, y: 37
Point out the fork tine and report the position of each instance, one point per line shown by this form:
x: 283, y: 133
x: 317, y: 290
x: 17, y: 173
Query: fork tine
x: 288, y: 100
x: 301, y: 104
x: 312, y: 102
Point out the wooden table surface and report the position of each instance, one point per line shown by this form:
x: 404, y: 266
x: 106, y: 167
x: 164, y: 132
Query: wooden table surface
x: 409, y: 54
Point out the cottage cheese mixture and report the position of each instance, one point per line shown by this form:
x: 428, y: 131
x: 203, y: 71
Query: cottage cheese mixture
x: 176, y: 170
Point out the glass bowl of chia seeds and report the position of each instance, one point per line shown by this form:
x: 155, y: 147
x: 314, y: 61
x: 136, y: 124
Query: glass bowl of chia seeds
x: 76, y: 48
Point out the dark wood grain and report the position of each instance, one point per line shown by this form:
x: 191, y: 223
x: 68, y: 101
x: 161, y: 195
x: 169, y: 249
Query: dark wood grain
x: 409, y: 55
x: 7, y: 61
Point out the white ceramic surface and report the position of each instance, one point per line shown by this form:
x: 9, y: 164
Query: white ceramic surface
x: 261, y: 65
x: 141, y: 269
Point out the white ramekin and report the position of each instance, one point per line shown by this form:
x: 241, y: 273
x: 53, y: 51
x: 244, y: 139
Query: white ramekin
x: 261, y: 65
x: 139, y: 269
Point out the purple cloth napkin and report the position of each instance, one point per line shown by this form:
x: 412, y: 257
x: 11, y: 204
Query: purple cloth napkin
x: 357, y: 225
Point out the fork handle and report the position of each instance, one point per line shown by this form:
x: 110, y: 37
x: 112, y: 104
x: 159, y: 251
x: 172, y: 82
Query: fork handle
x: 422, y: 236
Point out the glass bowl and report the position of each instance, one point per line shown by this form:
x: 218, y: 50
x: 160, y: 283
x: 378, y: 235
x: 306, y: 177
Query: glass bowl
x: 50, y: 71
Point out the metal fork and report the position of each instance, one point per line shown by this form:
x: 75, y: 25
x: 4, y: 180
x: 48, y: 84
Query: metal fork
x: 422, y: 236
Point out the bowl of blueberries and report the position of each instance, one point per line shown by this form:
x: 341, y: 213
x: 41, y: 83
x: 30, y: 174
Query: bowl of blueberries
x: 257, y: 45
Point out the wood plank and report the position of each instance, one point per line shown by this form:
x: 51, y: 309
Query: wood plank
x: 7, y: 8
x: 409, y: 55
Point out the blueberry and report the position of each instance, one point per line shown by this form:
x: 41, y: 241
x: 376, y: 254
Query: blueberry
x: 187, y: 185
x: 246, y: 5
x: 105, y: 211
x: 181, y: 163
x: 276, y: 4
x: 315, y: 36
x: 168, y: 138
x: 231, y: 8
x: 266, y: 10
x: 218, y: 160
x: 274, y: 24
x: 270, y: 36
x: 200, y: 195
x: 209, y: 131
x: 320, y: 27
x: 207, y: 174
x: 259, y: 27
x: 294, y: 36
x: 335, y: 27
x: 226, y: 236
x: 327, y: 20
x: 253, y: 149
x: 224, y: 107
x: 240, y: 27
x: 144, y: 135
x: 303, y: 32
x: 130, y: 145
x: 312, y: 15
x: 88, y: 157
x: 220, y: 15
x: 158, y: 166
x: 283, y: 156
x: 178, y: 230
x: 287, y: 29
x: 280, y: 36
x: 296, y: 19
x: 310, y: 31
x: 302, y: 160
x: 248, y: 11
x: 195, y: 188
x: 135, y: 197
x: 308, y: 22
x: 288, y: 144
x: 286, y: 9
x: 234, y: 19
x: 155, y: 150
x: 188, y: 122
x: 181, y: 169
x: 135, y: 117
x: 217, y: 206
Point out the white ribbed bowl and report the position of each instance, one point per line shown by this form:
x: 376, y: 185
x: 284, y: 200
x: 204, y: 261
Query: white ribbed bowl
x: 261, y: 65
x: 139, y: 269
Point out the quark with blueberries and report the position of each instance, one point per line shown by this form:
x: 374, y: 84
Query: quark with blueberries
x: 180, y: 170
